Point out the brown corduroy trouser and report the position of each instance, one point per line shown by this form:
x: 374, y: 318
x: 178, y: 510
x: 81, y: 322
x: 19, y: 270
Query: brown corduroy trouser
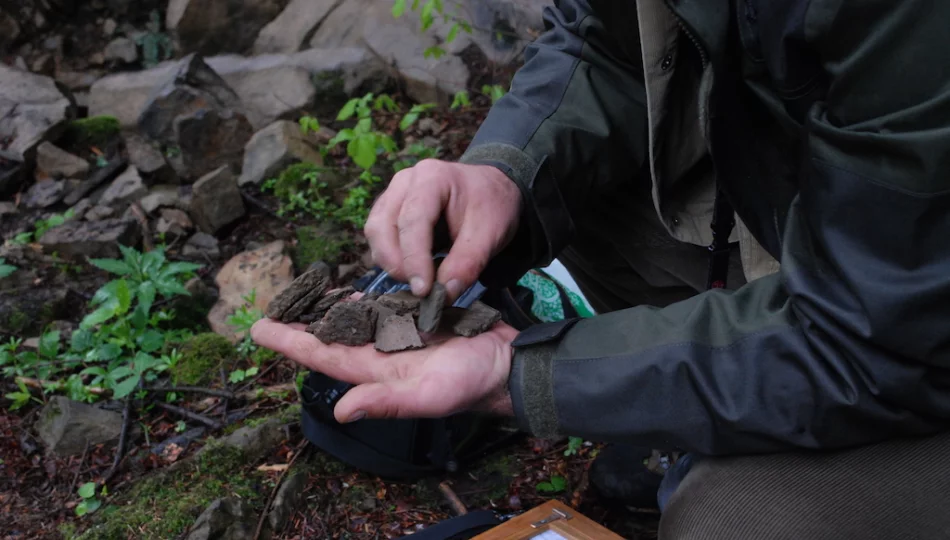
x: 623, y: 257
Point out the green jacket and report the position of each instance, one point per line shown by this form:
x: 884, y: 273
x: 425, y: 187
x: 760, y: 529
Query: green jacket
x: 827, y: 123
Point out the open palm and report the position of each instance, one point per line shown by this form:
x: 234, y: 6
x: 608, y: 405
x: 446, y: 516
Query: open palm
x: 449, y: 376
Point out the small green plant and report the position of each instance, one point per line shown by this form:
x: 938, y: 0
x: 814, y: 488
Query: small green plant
x: 180, y: 426
x: 6, y: 269
x: 461, y: 100
x: 574, y: 445
x: 40, y: 227
x: 21, y: 398
x: 242, y: 320
x: 430, y: 10
x: 89, y: 503
x: 494, y: 91
x: 556, y: 484
x: 156, y: 45
x: 240, y: 375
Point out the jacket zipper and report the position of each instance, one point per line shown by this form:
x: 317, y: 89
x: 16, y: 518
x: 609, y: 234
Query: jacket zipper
x: 689, y: 33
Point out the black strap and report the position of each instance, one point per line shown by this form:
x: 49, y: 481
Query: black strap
x: 570, y: 312
x: 459, y: 528
x: 719, y: 250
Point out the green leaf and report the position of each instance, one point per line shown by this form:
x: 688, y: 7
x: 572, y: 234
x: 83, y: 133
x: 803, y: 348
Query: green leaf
x: 151, y: 341
x: 87, y: 506
x: 6, y: 269
x: 346, y: 134
x: 544, y: 487
x: 408, y: 120
x: 426, y: 16
x: 82, y: 340
x: 453, y: 33
x: 388, y: 144
x: 98, y: 316
x: 125, y: 387
x: 152, y: 261
x: 87, y: 490
x: 49, y: 344
x: 180, y: 268
x: 347, y: 111
x: 171, y: 287
x: 252, y: 371
x: 139, y: 319
x: 236, y: 376
x: 112, y: 265
x: 461, y: 99
x: 559, y: 483
x: 433, y: 52
x: 399, y: 7
x: 146, y: 295
x: 106, y: 353
x: 365, y: 125
x: 363, y: 150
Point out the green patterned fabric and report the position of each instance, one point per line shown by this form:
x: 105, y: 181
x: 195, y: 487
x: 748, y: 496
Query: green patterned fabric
x: 547, y: 301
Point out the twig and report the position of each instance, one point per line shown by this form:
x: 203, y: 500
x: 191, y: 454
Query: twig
x: 270, y: 500
x: 267, y: 370
x: 143, y: 221
x: 123, y: 436
x: 189, y: 415
x: 85, y: 451
x: 253, y: 201
x: 40, y: 384
x: 224, y: 408
x: 457, y: 505
x: 250, y: 394
x: 191, y: 390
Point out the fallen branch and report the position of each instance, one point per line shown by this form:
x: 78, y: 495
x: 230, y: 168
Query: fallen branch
x: 457, y: 505
x: 252, y: 393
x: 123, y: 436
x: 191, y: 390
x: 189, y: 415
x: 85, y: 451
x: 39, y: 384
x: 273, y: 493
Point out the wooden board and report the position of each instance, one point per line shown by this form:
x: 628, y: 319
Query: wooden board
x: 552, y: 520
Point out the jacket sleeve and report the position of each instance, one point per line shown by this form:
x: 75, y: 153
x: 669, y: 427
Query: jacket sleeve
x: 571, y: 121
x: 850, y: 343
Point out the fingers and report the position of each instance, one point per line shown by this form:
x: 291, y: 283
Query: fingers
x: 467, y: 259
x: 416, y: 222
x: 380, y: 229
x: 354, y: 365
x: 403, y: 398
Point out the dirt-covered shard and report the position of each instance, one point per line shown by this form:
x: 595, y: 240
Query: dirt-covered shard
x: 430, y: 309
x: 296, y: 291
x: 470, y: 322
x: 398, y: 333
x: 347, y: 323
x: 324, y: 304
x: 402, y: 302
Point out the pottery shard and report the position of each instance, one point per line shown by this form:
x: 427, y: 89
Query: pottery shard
x: 470, y: 322
x: 324, y: 304
x: 398, y: 333
x: 303, y: 305
x: 402, y: 302
x: 430, y: 308
x: 348, y: 323
x: 300, y: 288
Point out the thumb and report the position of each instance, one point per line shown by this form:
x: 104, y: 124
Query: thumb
x: 470, y: 253
x: 394, y: 399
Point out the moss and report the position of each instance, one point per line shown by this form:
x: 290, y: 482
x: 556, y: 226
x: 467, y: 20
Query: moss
x: 164, y: 505
x: 324, y: 243
x: 202, y: 356
x: 95, y: 130
x: 262, y: 355
x: 17, y: 322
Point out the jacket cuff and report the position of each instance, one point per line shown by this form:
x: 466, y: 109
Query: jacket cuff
x: 531, y: 382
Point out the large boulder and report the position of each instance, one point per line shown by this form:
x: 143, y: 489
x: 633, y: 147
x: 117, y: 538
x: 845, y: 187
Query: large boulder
x: 287, y: 33
x: 195, y: 111
x: 216, y: 201
x: 276, y: 147
x: 215, y: 26
x: 77, y: 240
x: 32, y: 109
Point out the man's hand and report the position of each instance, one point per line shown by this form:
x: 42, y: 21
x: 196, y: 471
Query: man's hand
x: 481, y: 205
x: 445, y: 378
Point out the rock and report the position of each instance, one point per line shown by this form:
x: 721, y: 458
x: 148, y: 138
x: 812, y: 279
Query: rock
x: 79, y: 209
x: 149, y: 160
x: 109, y: 27
x: 67, y: 426
x: 99, y: 212
x: 127, y: 188
x: 201, y: 244
x: 401, y: 302
x: 99, y: 177
x: 348, y: 323
x: 224, y: 519
x: 122, y: 50
x: 216, y: 201
x: 7, y: 208
x: 256, y: 441
x: 99, y: 239
x: 288, y: 498
x: 45, y: 194
x: 398, y: 333
x: 274, y: 148
x: 160, y: 197
x: 430, y: 309
x: 32, y: 109
x: 78, y: 80
x: 194, y: 110
x: 9, y: 30
x: 208, y: 26
x: 329, y: 300
x: 281, y: 91
x: 57, y: 163
x: 44, y: 64
x: 286, y: 33
x: 31, y: 310
x: 267, y: 271
x: 299, y: 291
x: 479, y: 318
x: 174, y: 222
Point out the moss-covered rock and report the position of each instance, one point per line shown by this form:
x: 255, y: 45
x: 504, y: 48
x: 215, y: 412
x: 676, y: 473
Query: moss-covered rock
x: 326, y: 242
x: 202, y: 357
x: 95, y: 130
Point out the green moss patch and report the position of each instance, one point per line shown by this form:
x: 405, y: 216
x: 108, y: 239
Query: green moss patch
x: 93, y: 131
x: 322, y: 243
x: 202, y: 357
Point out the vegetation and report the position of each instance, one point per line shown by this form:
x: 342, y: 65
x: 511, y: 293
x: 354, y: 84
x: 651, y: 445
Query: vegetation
x: 202, y: 357
x: 93, y: 131
x: 156, y: 45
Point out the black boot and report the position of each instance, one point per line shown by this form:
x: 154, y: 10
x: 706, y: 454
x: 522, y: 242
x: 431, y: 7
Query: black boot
x: 629, y: 475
